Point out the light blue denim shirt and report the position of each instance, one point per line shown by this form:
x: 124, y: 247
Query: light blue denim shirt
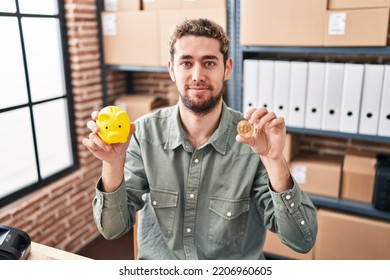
x: 211, y: 202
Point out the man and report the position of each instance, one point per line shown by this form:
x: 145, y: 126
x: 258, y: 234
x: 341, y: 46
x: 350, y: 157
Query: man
x: 206, y: 192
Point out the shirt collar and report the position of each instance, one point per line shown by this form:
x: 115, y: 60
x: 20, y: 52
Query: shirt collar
x: 219, y: 140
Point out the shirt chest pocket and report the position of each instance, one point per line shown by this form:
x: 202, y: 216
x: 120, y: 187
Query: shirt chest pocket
x: 164, y: 203
x: 228, y: 219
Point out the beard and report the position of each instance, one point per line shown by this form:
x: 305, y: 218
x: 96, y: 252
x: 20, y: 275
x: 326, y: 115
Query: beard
x: 203, y: 108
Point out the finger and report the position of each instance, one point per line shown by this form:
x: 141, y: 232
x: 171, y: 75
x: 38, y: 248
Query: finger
x: 249, y: 113
x: 93, y: 126
x: 258, y: 114
x: 91, y: 145
x: 265, y: 120
x: 249, y: 141
x: 279, y: 121
x: 94, y: 115
x: 99, y: 142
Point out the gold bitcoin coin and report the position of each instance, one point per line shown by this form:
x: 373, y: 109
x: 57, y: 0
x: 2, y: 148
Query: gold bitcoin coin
x: 245, y: 129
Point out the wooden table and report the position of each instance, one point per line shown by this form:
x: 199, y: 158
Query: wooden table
x: 43, y: 252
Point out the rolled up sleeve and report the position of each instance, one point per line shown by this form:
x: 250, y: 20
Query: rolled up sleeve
x: 110, y: 212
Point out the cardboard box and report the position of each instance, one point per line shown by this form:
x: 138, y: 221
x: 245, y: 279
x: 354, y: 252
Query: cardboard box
x: 357, y: 4
x: 168, y: 19
x: 203, y: 4
x: 183, y: 4
x: 274, y: 246
x: 122, y: 5
x: 139, y: 105
x: 360, y: 27
x: 148, y: 5
x: 318, y: 174
x: 282, y: 22
x: 125, y: 43
x: 347, y: 237
x: 358, y: 176
x: 291, y: 149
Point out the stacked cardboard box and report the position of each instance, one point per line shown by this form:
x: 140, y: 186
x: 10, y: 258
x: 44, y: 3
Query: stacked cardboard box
x: 314, y: 23
x: 136, y: 33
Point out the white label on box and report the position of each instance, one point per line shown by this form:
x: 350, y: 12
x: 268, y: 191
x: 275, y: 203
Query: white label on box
x: 337, y: 22
x: 111, y: 5
x: 299, y: 172
x: 109, y: 25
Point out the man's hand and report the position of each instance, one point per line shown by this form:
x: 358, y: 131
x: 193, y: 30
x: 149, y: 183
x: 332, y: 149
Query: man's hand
x: 105, y: 152
x: 269, y: 136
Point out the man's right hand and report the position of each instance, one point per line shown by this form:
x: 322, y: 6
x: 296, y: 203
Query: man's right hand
x: 108, y: 153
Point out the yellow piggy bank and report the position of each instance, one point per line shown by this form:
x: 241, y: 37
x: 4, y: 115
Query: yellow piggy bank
x: 114, y: 125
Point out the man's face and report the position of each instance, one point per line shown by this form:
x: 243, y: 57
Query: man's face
x: 199, y: 72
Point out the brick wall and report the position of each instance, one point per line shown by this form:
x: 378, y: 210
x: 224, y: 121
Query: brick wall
x: 60, y: 214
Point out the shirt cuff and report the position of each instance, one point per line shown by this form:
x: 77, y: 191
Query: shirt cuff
x: 288, y: 200
x: 111, y: 199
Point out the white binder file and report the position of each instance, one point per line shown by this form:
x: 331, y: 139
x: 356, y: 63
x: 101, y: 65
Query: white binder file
x: 297, y: 99
x: 352, y: 94
x: 384, y: 116
x: 371, y: 98
x: 315, y: 95
x: 265, y: 85
x: 251, y: 67
x: 281, y: 88
x: 334, y: 75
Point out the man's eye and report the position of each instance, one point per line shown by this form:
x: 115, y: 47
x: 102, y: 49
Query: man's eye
x: 186, y: 64
x: 209, y: 63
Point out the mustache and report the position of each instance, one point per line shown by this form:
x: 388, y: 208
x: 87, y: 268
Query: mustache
x: 200, y: 84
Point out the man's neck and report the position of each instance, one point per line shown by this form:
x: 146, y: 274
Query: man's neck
x: 199, y: 128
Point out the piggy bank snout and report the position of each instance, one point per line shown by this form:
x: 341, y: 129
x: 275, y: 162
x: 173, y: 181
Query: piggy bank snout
x: 114, y: 136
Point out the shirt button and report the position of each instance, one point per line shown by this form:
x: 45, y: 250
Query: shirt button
x: 154, y: 202
x: 292, y: 205
x: 302, y: 222
x: 196, y: 160
x: 188, y: 230
x: 192, y: 195
x: 229, y: 214
x: 288, y: 197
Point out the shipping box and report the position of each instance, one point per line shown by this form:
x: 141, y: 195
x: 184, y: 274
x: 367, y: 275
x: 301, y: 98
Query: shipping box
x: 182, y: 4
x: 357, y: 4
x: 122, y: 5
x: 168, y: 19
x: 291, y: 149
x: 148, y: 5
x: 358, y: 176
x: 348, y: 237
x: 274, y: 246
x: 282, y: 22
x: 131, y: 38
x: 318, y: 174
x: 137, y: 105
x: 356, y: 27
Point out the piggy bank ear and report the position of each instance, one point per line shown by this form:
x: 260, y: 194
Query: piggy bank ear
x: 103, y: 116
x: 121, y: 115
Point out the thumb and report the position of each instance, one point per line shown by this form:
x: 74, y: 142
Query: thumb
x: 249, y: 141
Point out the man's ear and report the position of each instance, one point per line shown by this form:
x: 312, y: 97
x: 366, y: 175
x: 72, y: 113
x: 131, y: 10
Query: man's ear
x: 228, y: 68
x: 170, y: 69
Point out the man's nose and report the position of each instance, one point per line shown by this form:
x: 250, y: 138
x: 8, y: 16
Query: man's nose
x: 198, y: 73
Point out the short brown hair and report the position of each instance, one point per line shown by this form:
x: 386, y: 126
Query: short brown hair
x: 199, y: 27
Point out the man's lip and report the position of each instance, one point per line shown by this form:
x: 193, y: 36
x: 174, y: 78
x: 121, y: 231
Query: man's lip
x: 198, y: 87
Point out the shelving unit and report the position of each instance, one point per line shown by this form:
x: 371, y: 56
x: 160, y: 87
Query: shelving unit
x: 231, y: 26
x: 242, y: 52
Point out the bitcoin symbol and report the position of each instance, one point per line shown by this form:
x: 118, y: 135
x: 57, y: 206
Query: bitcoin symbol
x: 245, y: 129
